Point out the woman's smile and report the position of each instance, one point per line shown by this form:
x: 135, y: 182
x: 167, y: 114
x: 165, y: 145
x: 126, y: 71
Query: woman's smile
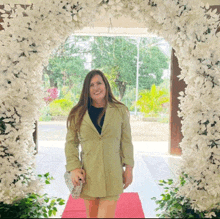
x: 97, y: 93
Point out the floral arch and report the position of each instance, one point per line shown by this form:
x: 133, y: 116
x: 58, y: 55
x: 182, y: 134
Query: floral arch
x: 27, y: 41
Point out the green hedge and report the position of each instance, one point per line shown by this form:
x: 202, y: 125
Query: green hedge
x: 60, y: 107
x: 32, y: 205
x: 173, y: 206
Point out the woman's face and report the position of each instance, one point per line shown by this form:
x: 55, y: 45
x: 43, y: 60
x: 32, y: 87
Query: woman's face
x: 97, y: 89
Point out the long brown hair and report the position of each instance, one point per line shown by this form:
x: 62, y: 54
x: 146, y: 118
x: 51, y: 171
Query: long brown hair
x: 85, y: 101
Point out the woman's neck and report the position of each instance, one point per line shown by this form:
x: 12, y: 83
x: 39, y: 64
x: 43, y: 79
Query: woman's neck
x: 98, y: 105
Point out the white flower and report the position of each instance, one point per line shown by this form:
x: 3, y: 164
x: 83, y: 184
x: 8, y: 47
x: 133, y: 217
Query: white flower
x: 7, y: 7
x: 207, y: 6
x: 210, y: 214
x: 75, y: 18
x: 183, y: 25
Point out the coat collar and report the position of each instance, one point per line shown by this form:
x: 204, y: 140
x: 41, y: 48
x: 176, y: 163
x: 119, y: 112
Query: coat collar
x: 108, y: 118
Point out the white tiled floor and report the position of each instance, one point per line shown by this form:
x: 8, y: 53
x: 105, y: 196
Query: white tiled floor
x: 152, y: 163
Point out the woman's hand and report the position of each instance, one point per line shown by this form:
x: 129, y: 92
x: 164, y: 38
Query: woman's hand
x: 76, y: 175
x: 127, y: 177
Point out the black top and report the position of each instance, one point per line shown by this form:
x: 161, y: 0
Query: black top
x: 94, y: 114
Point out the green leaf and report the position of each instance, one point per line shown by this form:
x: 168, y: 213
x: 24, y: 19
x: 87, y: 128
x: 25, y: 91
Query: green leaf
x: 158, y: 201
x: 33, y: 196
x: 47, y: 182
x: 53, y: 201
x: 46, y: 200
x: 45, y: 215
x: 170, y: 181
x: 54, y: 212
x: 46, y: 174
x: 50, y: 212
x: 62, y: 202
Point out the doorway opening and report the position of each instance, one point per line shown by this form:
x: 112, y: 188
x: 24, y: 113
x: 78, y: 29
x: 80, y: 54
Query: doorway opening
x: 63, y: 80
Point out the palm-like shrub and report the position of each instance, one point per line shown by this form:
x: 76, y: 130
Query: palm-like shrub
x: 60, y: 107
x: 151, y: 101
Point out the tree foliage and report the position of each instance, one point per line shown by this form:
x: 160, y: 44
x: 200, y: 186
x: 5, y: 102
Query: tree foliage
x: 118, y: 55
x: 67, y: 64
x: 115, y: 55
x: 151, y: 102
x: 153, y: 62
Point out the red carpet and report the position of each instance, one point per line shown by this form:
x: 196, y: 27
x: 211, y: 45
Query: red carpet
x: 128, y: 206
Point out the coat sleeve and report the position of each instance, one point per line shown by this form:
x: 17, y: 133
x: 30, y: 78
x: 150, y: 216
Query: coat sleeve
x: 127, y: 150
x: 72, y: 150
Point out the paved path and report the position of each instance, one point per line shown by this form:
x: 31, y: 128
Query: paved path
x: 140, y: 130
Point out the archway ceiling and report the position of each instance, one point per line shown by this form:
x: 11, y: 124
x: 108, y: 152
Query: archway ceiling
x: 123, y: 26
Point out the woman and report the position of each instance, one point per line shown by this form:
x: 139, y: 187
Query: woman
x: 101, y: 125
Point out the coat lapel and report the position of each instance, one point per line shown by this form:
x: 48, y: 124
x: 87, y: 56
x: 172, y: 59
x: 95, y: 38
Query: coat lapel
x: 88, y: 120
x: 108, y: 118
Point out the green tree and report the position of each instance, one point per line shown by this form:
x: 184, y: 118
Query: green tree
x: 67, y: 64
x: 153, y: 62
x: 117, y: 56
x: 151, y: 102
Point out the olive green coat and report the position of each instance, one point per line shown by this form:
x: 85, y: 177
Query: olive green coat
x: 103, y: 155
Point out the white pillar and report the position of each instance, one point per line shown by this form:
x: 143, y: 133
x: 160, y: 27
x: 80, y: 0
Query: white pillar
x: 137, y: 73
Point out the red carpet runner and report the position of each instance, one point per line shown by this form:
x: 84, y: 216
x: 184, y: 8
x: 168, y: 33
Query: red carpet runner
x: 128, y: 206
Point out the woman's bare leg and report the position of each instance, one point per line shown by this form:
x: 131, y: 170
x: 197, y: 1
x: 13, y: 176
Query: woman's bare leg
x: 107, y: 209
x: 92, y: 208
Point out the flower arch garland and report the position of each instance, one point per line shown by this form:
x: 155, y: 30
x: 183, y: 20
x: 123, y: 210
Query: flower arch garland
x: 27, y: 41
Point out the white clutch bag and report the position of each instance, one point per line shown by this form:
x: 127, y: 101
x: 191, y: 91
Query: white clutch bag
x: 74, y: 190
